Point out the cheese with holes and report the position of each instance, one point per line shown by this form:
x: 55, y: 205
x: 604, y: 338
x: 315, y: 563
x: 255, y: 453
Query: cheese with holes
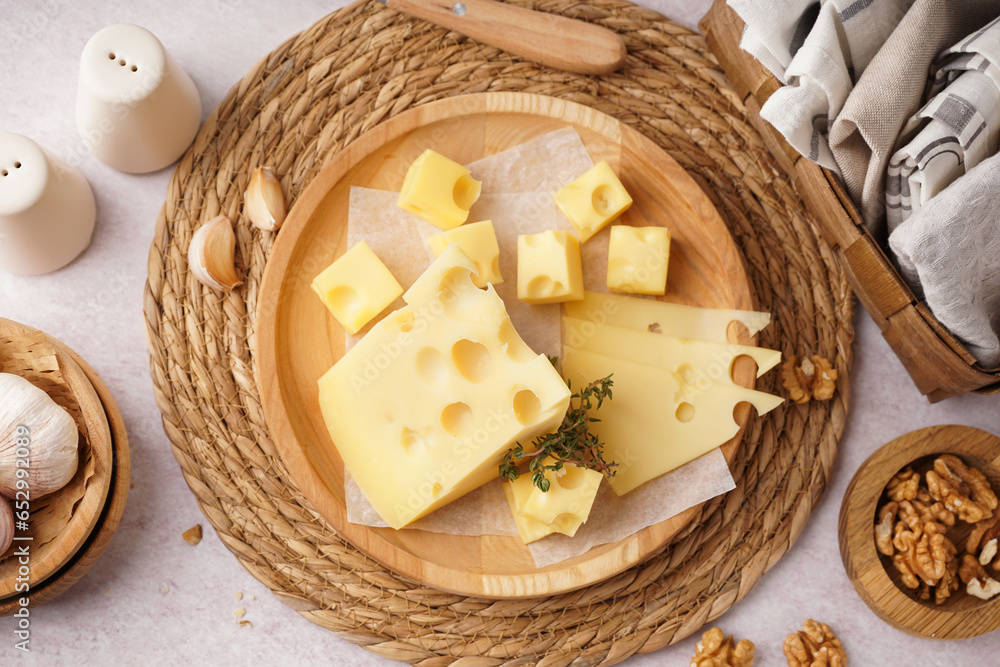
x: 562, y: 509
x: 439, y: 190
x: 478, y: 240
x: 517, y: 492
x: 657, y: 421
x: 549, y: 269
x: 593, y: 200
x: 670, y: 318
x: 698, y: 363
x: 637, y: 259
x: 356, y: 287
x: 424, y: 407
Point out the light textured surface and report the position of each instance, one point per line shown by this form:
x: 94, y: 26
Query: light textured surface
x: 153, y: 599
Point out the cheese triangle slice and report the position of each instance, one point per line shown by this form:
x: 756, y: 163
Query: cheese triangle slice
x: 696, y: 361
x: 655, y: 421
x: 673, y: 319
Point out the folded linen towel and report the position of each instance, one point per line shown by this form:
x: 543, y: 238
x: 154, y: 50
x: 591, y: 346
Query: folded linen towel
x: 845, y: 36
x: 955, y: 131
x: 949, y: 251
x: 773, y: 35
x: 890, y: 91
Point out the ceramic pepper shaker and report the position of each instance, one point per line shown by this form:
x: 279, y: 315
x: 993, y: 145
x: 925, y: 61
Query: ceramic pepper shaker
x: 47, y: 209
x: 136, y: 109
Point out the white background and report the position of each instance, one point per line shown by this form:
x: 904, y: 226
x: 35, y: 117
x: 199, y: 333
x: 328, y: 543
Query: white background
x: 152, y: 599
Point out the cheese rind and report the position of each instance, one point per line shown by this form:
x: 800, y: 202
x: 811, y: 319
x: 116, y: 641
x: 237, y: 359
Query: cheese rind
x: 423, y: 408
x: 696, y: 362
x: 656, y: 422
x: 593, y: 200
x: 478, y: 240
x: 356, y: 287
x: 549, y: 269
x: 673, y: 319
x: 637, y: 259
x: 438, y: 190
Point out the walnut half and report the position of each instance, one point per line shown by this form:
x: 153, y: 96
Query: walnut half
x: 812, y: 378
x: 977, y: 582
x: 963, y: 490
x: 717, y: 650
x: 814, y: 646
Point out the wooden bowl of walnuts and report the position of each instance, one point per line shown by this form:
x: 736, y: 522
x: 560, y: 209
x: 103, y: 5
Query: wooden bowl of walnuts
x: 919, y: 529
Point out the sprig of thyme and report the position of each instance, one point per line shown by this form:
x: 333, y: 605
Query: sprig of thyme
x: 571, y: 443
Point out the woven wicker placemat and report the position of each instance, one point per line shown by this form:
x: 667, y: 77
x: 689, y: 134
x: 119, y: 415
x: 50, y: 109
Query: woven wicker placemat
x: 296, y: 109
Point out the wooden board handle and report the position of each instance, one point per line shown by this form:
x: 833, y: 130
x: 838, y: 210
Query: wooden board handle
x: 554, y: 41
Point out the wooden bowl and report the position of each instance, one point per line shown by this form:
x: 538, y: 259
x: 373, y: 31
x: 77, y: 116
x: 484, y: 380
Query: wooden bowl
x: 111, y: 514
x: 49, y: 559
x: 297, y: 339
x: 872, y: 574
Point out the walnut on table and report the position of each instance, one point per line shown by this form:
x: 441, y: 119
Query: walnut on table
x: 814, y: 646
x: 812, y: 378
x: 718, y: 650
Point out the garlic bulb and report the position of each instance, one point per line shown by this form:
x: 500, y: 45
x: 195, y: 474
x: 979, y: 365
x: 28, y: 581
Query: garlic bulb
x: 37, y: 436
x: 6, y: 525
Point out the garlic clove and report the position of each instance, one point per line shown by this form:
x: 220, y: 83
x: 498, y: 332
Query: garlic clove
x: 35, y: 428
x: 265, y: 202
x: 212, y: 254
x: 6, y: 525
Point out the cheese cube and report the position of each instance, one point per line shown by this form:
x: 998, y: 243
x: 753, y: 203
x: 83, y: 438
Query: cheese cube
x: 424, y: 407
x: 593, y: 200
x: 657, y: 421
x: 637, y: 259
x: 517, y: 492
x: 549, y: 268
x: 356, y: 287
x: 439, y: 190
x: 478, y: 240
x: 562, y: 509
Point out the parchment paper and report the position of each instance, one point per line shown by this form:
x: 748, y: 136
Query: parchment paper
x: 517, y: 196
x: 485, y: 511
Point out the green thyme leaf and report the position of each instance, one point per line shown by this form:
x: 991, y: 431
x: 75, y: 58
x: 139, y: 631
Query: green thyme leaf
x: 571, y: 443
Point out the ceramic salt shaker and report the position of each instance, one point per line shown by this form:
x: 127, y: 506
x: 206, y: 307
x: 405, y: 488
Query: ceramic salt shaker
x: 136, y: 109
x: 47, y: 209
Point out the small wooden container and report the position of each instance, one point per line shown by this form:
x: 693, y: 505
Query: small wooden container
x: 102, y: 479
x: 937, y: 362
x: 873, y: 577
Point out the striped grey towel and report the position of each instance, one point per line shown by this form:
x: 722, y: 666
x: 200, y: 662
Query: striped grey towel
x: 855, y: 71
x: 955, y: 131
x: 831, y: 45
x: 949, y: 251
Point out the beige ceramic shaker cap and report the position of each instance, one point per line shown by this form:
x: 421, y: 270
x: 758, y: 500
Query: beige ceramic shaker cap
x: 47, y: 208
x: 136, y: 109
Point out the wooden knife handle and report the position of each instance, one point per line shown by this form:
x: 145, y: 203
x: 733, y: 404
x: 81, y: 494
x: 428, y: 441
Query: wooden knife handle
x: 548, y: 39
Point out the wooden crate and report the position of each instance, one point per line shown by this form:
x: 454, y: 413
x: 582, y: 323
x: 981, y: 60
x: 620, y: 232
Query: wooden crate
x: 937, y: 362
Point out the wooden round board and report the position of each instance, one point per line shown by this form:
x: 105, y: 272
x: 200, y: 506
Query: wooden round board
x: 297, y: 340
